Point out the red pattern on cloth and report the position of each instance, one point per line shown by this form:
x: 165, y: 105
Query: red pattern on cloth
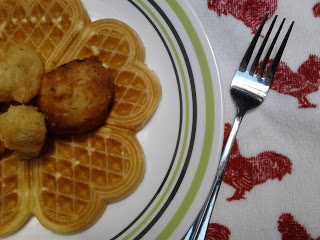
x: 290, y: 229
x: 298, y: 84
x: 250, y: 12
x: 244, y: 173
x: 217, y: 232
x: 316, y: 9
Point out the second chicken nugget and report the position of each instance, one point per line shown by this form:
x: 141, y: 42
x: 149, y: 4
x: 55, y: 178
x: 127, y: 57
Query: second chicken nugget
x: 76, y: 96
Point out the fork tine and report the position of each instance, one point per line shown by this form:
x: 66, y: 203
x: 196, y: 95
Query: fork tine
x: 247, y: 55
x: 265, y: 61
x: 273, y: 68
x: 256, y: 60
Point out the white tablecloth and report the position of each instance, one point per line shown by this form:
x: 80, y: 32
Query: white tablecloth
x: 271, y: 189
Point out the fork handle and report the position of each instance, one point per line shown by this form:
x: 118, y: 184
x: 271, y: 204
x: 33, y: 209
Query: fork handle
x: 199, y: 227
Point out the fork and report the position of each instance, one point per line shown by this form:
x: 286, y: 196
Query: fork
x: 248, y: 90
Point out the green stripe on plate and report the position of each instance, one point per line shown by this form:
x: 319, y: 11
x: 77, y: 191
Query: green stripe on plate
x: 209, y: 126
x: 186, y: 117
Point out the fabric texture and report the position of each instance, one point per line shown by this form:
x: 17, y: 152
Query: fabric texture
x: 271, y: 189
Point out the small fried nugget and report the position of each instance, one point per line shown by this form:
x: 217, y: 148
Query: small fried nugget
x: 6, y: 86
x: 20, y: 74
x: 23, y: 129
x: 76, y: 96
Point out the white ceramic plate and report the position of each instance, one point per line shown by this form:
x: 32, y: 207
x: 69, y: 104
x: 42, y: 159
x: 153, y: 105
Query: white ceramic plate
x: 182, y: 140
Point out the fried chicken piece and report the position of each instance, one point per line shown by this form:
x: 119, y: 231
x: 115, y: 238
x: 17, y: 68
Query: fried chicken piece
x: 23, y: 129
x: 20, y: 74
x: 76, y: 96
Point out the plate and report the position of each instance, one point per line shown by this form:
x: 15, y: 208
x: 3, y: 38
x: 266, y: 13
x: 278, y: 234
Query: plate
x: 182, y: 141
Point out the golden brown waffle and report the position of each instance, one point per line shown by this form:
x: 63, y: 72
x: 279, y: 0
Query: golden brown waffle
x: 74, y: 179
x: 78, y: 175
x: 15, y: 205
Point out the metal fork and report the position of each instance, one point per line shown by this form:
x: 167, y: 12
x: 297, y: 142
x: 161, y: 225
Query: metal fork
x: 248, y: 90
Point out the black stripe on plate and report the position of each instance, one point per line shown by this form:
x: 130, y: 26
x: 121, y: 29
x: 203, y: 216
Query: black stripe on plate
x: 194, y: 122
x: 179, y: 130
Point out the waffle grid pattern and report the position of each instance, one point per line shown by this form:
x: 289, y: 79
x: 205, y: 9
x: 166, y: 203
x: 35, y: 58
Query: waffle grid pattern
x: 8, y: 188
x: 131, y: 98
x: 42, y: 28
x: 100, y: 162
x: 131, y: 90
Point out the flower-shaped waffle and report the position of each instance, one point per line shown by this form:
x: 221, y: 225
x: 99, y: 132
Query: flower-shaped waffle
x: 68, y: 187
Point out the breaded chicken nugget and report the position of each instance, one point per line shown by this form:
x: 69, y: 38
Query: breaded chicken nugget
x: 20, y: 74
x: 23, y: 129
x: 76, y: 96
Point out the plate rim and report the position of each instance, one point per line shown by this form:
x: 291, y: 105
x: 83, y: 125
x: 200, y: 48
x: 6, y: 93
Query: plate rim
x: 217, y: 125
x: 188, y: 23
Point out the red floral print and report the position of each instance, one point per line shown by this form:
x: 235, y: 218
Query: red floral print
x: 217, y: 232
x: 244, y: 173
x: 316, y: 10
x: 290, y: 229
x: 250, y: 12
x: 298, y: 84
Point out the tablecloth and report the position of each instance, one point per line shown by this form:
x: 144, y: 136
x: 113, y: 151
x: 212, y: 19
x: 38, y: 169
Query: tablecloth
x: 271, y: 189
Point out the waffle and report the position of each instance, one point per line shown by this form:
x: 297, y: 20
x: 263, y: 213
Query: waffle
x: 68, y: 187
